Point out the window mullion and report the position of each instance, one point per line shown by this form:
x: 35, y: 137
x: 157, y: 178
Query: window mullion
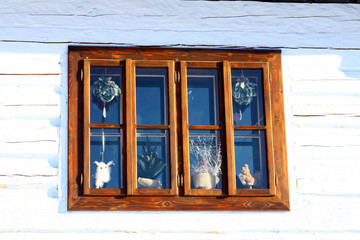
x: 229, y: 130
x: 86, y: 122
x: 130, y: 126
x: 185, y: 127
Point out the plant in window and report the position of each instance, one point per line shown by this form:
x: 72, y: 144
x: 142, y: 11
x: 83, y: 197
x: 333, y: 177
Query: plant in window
x: 149, y: 167
x: 106, y: 90
x: 243, y: 91
x: 205, y: 163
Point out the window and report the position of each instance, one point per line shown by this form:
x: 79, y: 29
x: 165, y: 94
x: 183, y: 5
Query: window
x: 176, y: 129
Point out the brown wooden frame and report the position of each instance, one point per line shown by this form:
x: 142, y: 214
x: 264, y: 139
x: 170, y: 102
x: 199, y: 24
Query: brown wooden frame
x: 179, y: 196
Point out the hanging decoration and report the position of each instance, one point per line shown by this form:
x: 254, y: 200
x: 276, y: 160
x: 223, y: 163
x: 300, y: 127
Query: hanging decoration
x: 106, y: 90
x: 103, y: 170
x: 243, y: 92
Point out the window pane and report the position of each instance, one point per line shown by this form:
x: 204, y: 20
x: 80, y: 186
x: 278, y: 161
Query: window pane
x: 250, y: 159
x: 106, y: 165
x: 203, y: 103
x: 205, y: 159
x: 153, y: 159
x: 151, y: 96
x: 106, y: 95
x: 247, y: 97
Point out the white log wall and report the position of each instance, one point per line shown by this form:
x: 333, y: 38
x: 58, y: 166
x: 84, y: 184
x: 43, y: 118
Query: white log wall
x: 320, y: 46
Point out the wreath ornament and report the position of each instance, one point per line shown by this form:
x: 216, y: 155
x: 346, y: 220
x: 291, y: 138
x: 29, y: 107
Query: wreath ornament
x: 106, y: 90
x: 243, y: 92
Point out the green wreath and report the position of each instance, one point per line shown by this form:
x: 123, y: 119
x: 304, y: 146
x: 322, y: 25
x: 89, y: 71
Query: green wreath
x: 243, y: 92
x: 106, y: 90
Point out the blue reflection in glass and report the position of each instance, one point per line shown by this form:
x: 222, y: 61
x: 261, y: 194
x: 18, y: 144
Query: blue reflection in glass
x: 247, y: 97
x: 114, y: 107
x: 106, y: 146
x: 151, y: 96
x: 203, y: 103
x: 250, y: 150
x: 153, y: 159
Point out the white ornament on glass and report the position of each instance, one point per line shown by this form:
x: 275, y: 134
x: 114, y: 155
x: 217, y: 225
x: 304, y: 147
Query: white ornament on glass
x: 102, y: 174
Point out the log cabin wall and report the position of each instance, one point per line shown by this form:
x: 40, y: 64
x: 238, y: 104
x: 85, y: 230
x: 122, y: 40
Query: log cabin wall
x: 321, y: 76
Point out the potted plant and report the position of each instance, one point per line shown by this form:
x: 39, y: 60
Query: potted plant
x: 205, y: 163
x: 149, y: 167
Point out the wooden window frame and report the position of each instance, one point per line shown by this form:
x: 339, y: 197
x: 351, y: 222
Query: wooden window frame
x: 179, y: 196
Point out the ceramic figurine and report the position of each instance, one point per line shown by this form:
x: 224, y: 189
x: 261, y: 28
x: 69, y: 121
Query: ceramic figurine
x: 149, y: 183
x: 245, y: 176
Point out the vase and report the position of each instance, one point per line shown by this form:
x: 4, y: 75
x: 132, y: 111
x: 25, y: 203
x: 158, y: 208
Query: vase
x: 149, y: 183
x: 205, y: 181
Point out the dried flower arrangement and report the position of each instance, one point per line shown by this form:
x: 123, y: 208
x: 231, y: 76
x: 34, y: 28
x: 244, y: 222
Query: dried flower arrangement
x: 149, y: 167
x: 243, y: 91
x: 105, y: 90
x: 205, y: 163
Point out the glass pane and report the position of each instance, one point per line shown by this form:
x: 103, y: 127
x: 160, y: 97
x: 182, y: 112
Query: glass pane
x: 106, y: 165
x: 153, y: 159
x: 151, y: 96
x: 203, y: 103
x: 205, y: 159
x: 247, y: 97
x: 106, y: 95
x: 250, y: 159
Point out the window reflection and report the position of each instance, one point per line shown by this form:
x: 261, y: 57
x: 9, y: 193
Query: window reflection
x: 106, y: 95
x: 247, y: 97
x: 250, y: 159
x: 203, y: 103
x: 153, y: 159
x: 151, y: 96
x: 106, y: 158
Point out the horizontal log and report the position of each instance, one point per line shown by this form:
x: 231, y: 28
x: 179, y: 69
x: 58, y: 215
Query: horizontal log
x: 347, y: 109
x: 28, y: 182
x: 24, y: 80
x: 27, y: 167
x: 310, y: 153
x: 30, y: 112
x: 330, y: 121
x: 29, y: 95
x: 29, y: 64
x: 35, y: 147
x: 333, y: 186
x: 326, y: 87
x: 326, y: 140
x: 201, y: 22
x: 26, y: 132
x: 323, y: 172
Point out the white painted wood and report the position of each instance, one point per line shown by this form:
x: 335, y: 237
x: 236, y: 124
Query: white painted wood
x: 29, y: 64
x: 27, y: 167
x: 31, y: 147
x: 31, y: 112
x: 16, y: 95
x: 321, y: 76
x: 49, y: 81
x: 182, y: 22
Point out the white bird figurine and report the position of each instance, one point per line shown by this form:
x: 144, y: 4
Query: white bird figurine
x: 102, y: 174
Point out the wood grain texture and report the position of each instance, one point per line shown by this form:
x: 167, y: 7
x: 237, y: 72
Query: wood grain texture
x: 194, y: 58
